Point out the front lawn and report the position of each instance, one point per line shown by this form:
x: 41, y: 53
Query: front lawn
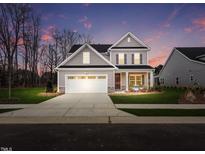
x: 166, y: 112
x: 169, y: 96
x: 24, y: 96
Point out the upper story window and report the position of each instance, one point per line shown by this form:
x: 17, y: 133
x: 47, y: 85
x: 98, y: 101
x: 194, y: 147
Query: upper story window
x: 121, y: 58
x: 136, y: 58
x: 86, y: 57
x: 128, y: 39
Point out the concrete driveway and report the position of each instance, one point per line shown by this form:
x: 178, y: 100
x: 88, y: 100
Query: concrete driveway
x: 71, y: 105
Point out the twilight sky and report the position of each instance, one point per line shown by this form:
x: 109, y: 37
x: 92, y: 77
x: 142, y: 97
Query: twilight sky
x: 161, y: 26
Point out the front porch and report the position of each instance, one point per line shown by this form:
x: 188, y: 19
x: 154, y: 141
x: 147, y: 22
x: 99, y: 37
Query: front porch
x: 126, y: 80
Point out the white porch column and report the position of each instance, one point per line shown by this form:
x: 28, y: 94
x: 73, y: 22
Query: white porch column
x: 151, y: 79
x: 147, y: 80
x: 126, y: 80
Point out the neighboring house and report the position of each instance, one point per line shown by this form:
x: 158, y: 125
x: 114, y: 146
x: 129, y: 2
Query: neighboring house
x: 185, y: 67
x: 102, y: 68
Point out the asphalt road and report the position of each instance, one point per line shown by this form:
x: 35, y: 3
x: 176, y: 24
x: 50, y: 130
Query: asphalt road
x: 102, y: 137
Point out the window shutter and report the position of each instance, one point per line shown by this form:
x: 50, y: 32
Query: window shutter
x: 140, y: 58
x: 125, y: 58
x: 117, y: 59
x: 133, y: 58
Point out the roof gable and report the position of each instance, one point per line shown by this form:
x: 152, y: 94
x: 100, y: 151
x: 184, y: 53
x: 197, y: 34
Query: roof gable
x: 86, y: 47
x: 129, y: 41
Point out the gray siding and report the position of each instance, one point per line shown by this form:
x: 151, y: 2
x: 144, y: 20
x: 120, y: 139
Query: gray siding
x: 63, y: 73
x: 94, y: 58
x: 129, y: 56
x: 125, y: 43
x: 179, y: 66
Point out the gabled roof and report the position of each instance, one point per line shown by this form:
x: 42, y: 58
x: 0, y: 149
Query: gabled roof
x: 193, y: 53
x: 78, y: 50
x: 99, y: 47
x: 144, y: 46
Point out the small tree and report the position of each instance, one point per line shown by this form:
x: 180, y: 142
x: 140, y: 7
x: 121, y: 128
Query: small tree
x: 49, y: 86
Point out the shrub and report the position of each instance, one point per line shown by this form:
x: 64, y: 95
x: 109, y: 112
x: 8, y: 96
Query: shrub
x: 49, y: 86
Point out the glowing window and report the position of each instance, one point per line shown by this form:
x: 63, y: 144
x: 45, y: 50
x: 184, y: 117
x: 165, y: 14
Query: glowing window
x: 137, y: 58
x: 86, y: 57
x: 81, y: 77
x: 121, y: 58
x: 128, y: 39
x: 91, y: 77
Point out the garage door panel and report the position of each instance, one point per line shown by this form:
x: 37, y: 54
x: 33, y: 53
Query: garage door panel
x: 87, y: 84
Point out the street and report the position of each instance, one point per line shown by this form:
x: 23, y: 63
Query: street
x: 102, y: 137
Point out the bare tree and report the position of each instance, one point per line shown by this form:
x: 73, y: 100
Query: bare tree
x: 11, y: 16
x: 86, y: 39
x: 66, y: 41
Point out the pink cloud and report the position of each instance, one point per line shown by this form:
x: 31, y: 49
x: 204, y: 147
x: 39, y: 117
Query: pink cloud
x: 188, y: 29
x: 172, y: 15
x: 46, y: 37
x: 47, y: 33
x: 199, y: 23
x: 161, y: 56
x: 86, y: 22
x: 155, y: 37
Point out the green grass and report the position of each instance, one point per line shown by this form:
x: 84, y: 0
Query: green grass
x: 7, y: 110
x: 24, y: 95
x: 169, y: 96
x: 166, y: 112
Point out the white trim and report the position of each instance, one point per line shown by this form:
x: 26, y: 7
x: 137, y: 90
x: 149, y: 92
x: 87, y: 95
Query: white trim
x: 133, y: 36
x: 201, y: 56
x: 66, y: 75
x: 85, y: 69
x: 77, y: 51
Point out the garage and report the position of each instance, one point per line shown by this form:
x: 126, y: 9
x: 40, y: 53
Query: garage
x: 86, y: 83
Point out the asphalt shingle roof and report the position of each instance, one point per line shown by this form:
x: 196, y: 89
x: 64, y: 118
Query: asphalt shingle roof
x: 99, y: 47
x: 192, y: 53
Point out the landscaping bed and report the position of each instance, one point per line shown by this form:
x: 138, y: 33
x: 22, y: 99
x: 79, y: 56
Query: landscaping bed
x: 167, y: 96
x: 166, y: 112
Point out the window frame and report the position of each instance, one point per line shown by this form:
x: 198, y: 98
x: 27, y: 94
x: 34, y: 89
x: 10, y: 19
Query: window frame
x: 86, y: 58
x: 121, y: 58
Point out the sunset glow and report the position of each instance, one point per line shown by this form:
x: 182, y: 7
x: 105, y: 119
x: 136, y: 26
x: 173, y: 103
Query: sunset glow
x: 161, y: 26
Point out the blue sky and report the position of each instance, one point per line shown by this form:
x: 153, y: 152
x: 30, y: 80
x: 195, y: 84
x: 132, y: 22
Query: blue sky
x: 161, y: 26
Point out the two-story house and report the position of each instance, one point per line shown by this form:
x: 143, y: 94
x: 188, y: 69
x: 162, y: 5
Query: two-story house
x: 103, y: 68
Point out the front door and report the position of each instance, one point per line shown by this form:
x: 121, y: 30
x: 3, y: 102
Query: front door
x: 117, y: 81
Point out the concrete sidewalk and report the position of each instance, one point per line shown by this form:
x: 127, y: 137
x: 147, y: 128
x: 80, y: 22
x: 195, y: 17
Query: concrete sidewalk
x: 14, y: 106
x: 102, y: 120
x: 161, y: 106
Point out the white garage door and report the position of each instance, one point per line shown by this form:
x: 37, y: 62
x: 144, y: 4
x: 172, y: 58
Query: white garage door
x: 86, y: 84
